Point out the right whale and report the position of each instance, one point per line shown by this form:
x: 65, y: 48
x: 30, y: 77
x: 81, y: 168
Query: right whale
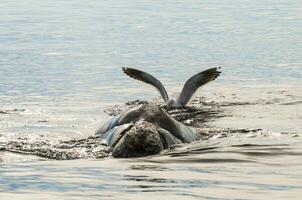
x: 144, y: 130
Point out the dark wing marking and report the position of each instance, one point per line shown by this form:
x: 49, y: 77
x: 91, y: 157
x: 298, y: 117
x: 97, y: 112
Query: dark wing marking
x: 194, y: 83
x: 147, y: 78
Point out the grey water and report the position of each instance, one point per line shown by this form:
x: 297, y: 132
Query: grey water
x: 60, y: 68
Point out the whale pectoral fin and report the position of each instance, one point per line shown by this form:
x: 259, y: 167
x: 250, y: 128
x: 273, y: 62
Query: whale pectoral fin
x: 168, y: 140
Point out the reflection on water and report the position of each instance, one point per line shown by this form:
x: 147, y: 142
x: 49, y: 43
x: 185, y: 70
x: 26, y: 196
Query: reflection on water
x: 60, y: 68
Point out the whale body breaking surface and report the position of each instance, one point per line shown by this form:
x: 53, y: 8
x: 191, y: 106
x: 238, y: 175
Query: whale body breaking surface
x: 144, y: 130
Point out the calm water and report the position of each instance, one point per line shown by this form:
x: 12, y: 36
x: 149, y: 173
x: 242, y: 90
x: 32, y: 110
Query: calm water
x: 60, y: 67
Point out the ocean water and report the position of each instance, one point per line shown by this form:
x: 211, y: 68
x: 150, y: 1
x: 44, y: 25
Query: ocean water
x: 60, y: 68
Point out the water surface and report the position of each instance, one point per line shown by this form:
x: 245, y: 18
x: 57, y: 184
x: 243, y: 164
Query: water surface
x: 60, y: 67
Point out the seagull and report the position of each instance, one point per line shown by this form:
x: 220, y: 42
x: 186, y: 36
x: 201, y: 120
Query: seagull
x: 188, y: 90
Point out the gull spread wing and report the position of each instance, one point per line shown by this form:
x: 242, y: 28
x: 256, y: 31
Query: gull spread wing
x: 194, y: 83
x: 147, y: 78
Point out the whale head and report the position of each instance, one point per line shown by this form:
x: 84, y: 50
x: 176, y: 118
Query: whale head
x: 141, y: 140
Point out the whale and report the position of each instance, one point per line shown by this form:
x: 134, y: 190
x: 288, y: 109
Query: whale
x: 144, y: 130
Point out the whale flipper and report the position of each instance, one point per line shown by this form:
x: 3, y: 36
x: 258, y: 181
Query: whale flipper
x: 147, y: 78
x: 194, y: 83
